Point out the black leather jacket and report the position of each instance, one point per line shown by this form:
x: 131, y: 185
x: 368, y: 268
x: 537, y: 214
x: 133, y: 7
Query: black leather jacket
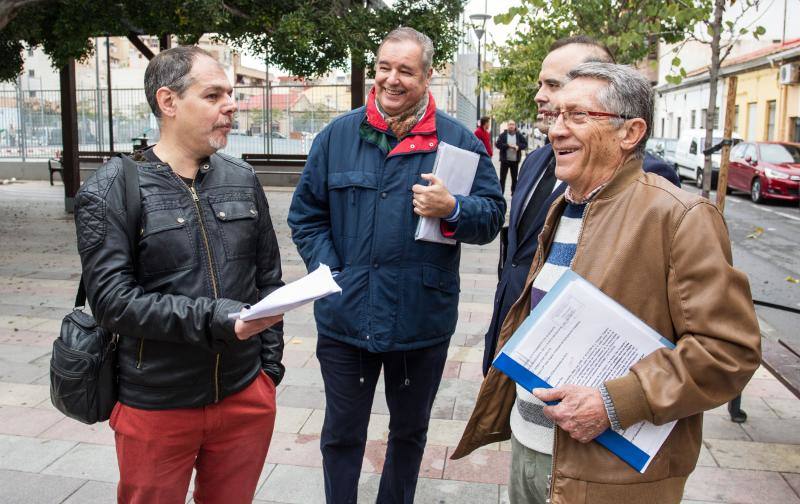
x: 204, y: 252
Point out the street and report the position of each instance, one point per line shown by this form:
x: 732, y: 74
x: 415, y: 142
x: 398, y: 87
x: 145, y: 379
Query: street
x: 766, y: 245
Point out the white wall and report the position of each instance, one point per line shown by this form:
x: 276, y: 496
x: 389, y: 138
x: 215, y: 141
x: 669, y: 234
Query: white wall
x: 671, y: 105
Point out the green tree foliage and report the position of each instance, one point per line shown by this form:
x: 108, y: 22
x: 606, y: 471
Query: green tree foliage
x: 628, y: 27
x: 306, y: 37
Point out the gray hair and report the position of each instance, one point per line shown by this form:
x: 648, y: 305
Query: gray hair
x: 628, y: 94
x: 405, y: 33
x: 171, y: 69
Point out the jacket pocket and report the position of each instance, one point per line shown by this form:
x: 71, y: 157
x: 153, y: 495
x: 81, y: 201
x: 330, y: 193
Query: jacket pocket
x: 352, y: 201
x: 166, y: 243
x: 237, y: 226
x: 430, y: 304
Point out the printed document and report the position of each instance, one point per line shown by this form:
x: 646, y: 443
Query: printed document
x: 311, y: 287
x: 456, y: 168
x: 578, y: 335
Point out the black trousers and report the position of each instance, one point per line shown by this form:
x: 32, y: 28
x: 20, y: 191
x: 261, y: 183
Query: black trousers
x: 350, y: 375
x: 505, y: 166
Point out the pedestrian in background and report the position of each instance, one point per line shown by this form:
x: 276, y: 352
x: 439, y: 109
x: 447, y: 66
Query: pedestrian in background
x: 482, y: 132
x: 511, y: 143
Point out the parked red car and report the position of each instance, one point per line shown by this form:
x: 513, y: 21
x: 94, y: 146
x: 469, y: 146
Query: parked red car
x: 766, y: 170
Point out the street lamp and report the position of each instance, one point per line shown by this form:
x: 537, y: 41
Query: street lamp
x: 479, y: 25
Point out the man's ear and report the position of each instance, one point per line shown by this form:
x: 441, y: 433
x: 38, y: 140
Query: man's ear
x: 428, y: 77
x: 634, y: 131
x: 166, y: 99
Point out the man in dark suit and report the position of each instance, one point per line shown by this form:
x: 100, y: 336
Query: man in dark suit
x: 537, y: 185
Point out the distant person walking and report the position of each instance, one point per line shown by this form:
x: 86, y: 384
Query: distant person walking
x: 510, y: 144
x: 482, y: 132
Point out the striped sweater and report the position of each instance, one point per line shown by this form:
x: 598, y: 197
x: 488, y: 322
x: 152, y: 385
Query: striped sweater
x: 528, y: 423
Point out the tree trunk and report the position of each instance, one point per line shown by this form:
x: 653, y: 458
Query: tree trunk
x: 9, y: 8
x: 713, y: 77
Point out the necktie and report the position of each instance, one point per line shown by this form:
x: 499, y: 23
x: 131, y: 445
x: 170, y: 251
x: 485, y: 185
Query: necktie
x: 542, y: 191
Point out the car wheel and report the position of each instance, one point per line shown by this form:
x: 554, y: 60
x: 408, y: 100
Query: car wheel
x: 755, y: 192
x: 698, y: 180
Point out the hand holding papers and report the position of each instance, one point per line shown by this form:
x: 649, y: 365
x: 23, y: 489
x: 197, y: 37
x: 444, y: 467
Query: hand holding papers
x: 311, y: 287
x: 456, y: 169
x: 577, y: 335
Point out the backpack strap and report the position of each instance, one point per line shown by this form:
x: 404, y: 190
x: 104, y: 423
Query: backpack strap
x: 133, y: 210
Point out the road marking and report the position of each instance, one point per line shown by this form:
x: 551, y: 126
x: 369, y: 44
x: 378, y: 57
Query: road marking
x: 788, y: 216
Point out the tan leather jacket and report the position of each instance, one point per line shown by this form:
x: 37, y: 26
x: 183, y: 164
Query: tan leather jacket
x: 665, y: 255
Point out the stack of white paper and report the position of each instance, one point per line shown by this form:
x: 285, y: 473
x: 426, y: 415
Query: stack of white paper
x: 311, y: 287
x: 578, y: 335
x: 456, y: 168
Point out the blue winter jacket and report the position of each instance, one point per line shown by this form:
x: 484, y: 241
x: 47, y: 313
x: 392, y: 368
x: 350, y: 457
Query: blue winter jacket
x: 352, y: 210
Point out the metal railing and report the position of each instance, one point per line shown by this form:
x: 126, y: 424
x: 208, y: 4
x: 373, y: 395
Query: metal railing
x: 280, y: 119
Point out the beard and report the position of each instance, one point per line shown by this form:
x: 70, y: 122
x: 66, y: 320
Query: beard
x: 219, y: 137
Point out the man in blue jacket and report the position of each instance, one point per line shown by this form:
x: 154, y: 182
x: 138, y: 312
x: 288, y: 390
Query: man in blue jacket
x: 366, y: 183
x: 538, y: 187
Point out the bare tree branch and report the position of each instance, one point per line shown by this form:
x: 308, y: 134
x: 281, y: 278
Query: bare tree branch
x: 9, y: 9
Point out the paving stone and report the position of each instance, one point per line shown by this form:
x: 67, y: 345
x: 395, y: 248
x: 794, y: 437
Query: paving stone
x: 302, y: 397
x: 451, y: 369
x: 767, y: 388
x: 295, y: 449
x: 793, y: 480
x: 290, y: 419
x: 19, y: 421
x: 20, y: 354
x: 472, y: 371
x: 295, y: 358
x: 504, y: 494
x: 706, y: 459
x: 443, y: 407
x: 465, y: 354
x: 303, y: 377
x: 784, y: 408
x: 432, y: 465
x: 294, y: 485
x: 87, y: 461
x: 756, y: 456
x: 773, y: 430
x: 27, y: 337
x: 753, y: 405
x: 738, y: 487
x: 30, y: 454
x: 26, y: 488
x: 433, y: 491
x: 94, y: 492
x: 23, y: 373
x: 481, y: 466
x: 298, y: 343
x: 73, y: 430
x: 463, y: 408
x: 721, y: 427
x: 445, y: 432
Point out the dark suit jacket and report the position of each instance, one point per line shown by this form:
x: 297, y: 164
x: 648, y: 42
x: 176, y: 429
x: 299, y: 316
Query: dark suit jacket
x: 519, y: 250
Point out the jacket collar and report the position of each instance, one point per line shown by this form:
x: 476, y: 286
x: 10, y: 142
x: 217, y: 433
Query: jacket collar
x: 629, y: 171
x: 421, y: 138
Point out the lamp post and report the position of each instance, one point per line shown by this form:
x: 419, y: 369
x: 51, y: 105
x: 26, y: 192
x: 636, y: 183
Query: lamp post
x: 479, y: 25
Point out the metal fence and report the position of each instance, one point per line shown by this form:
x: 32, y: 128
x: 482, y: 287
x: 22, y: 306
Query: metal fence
x: 280, y: 119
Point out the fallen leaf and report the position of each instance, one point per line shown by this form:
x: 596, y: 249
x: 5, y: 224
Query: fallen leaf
x: 792, y: 279
x: 758, y: 231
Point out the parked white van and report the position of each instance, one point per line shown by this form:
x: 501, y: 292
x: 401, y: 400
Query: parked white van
x: 689, y: 156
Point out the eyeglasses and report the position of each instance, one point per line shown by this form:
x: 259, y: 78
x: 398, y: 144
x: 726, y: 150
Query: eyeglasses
x: 578, y: 117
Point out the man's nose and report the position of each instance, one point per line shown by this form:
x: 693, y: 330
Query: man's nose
x: 557, y: 127
x: 230, y: 107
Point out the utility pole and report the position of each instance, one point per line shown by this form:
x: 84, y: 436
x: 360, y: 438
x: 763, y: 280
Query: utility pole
x: 730, y: 106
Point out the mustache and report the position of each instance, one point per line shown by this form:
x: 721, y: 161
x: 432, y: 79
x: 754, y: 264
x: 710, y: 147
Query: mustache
x: 223, y: 124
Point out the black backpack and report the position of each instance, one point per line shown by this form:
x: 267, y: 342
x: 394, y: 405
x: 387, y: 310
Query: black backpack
x: 83, y: 366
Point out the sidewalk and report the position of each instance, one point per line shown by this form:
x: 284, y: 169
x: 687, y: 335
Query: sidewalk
x: 46, y: 458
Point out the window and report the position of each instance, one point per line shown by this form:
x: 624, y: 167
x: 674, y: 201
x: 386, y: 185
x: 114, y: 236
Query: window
x: 693, y: 147
x: 750, y: 152
x: 796, y: 122
x: 694, y: 116
x: 738, y: 150
x: 703, y: 117
x: 771, y: 120
x: 31, y: 73
x: 736, y: 118
x: 780, y: 153
x: 752, y: 121
x: 30, y: 52
x: 679, y: 127
x: 662, y: 128
x: 716, y: 118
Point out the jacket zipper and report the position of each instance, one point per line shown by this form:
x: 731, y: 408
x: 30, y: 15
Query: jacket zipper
x: 552, y: 476
x: 196, y: 200
x: 141, y: 352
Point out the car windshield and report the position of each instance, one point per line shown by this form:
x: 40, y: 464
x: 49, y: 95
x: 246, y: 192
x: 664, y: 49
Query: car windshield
x: 778, y: 153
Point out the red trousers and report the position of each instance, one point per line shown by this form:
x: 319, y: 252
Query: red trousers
x: 226, y: 442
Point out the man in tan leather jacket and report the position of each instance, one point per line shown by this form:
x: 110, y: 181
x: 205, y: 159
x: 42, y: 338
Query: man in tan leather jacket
x: 662, y: 253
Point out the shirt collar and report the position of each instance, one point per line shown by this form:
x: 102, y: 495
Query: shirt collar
x: 568, y: 195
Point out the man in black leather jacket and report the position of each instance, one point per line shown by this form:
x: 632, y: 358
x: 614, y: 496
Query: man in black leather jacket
x: 196, y: 388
